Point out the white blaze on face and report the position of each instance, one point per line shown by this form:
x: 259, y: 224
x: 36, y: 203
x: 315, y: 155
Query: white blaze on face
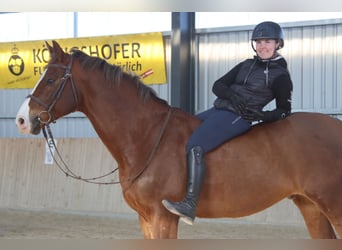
x: 22, y: 119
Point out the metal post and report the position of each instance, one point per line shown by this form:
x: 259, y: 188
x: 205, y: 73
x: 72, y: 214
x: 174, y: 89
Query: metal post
x: 182, y: 61
x: 75, y: 24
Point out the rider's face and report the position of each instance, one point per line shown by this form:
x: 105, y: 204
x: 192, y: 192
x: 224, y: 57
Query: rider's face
x: 265, y: 48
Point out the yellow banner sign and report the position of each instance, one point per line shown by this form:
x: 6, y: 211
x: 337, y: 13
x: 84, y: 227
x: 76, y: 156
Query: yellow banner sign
x: 22, y: 63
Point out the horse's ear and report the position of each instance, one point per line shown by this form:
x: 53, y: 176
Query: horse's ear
x: 48, y: 46
x: 56, y: 51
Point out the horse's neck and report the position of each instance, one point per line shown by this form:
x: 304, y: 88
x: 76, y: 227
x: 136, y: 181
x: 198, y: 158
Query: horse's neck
x: 126, y: 125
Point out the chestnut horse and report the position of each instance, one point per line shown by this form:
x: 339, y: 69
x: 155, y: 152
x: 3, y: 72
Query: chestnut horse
x: 299, y: 157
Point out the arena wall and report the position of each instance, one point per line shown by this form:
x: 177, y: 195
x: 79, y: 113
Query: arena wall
x: 26, y: 182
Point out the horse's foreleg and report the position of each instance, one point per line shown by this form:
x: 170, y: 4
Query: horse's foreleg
x: 146, y: 227
x: 159, y: 227
x: 317, y: 223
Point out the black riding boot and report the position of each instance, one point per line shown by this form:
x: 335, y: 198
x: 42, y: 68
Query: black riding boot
x: 186, y: 209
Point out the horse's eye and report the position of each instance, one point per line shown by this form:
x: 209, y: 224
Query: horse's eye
x: 50, y: 81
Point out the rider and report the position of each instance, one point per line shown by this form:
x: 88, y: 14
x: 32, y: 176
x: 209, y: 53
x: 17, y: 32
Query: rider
x: 241, y: 93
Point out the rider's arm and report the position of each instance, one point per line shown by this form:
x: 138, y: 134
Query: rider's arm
x: 221, y: 87
x: 282, y: 89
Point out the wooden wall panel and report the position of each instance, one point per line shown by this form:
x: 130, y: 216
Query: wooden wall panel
x: 27, y: 183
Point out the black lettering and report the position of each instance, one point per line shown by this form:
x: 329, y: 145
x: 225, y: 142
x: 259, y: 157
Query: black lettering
x: 45, y: 55
x: 116, y: 50
x: 37, y: 70
x: 106, y: 55
x: 36, y: 56
x: 133, y: 67
x: 136, y: 67
x: 135, y: 49
x: 83, y: 48
x: 95, y: 52
x: 139, y: 66
x: 129, y: 66
x: 125, y: 50
x: 125, y: 67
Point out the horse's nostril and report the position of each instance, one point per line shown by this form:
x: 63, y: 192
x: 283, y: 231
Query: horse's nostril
x: 21, y: 121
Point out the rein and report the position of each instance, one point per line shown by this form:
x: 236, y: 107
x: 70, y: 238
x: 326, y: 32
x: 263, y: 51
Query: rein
x: 49, y: 137
x: 66, y: 170
x: 69, y: 173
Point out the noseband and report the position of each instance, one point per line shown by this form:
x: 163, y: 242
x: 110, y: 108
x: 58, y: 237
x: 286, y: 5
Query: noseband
x: 57, y: 94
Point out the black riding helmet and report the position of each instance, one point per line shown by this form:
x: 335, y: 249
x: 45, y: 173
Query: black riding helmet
x: 268, y: 30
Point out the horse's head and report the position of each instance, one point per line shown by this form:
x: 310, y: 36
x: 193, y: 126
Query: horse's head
x: 54, y: 95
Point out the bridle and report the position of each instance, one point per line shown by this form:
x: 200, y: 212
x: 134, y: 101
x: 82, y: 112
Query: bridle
x: 57, y: 94
x: 51, y: 118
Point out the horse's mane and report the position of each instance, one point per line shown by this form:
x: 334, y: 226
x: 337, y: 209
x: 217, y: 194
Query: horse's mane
x: 114, y: 74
